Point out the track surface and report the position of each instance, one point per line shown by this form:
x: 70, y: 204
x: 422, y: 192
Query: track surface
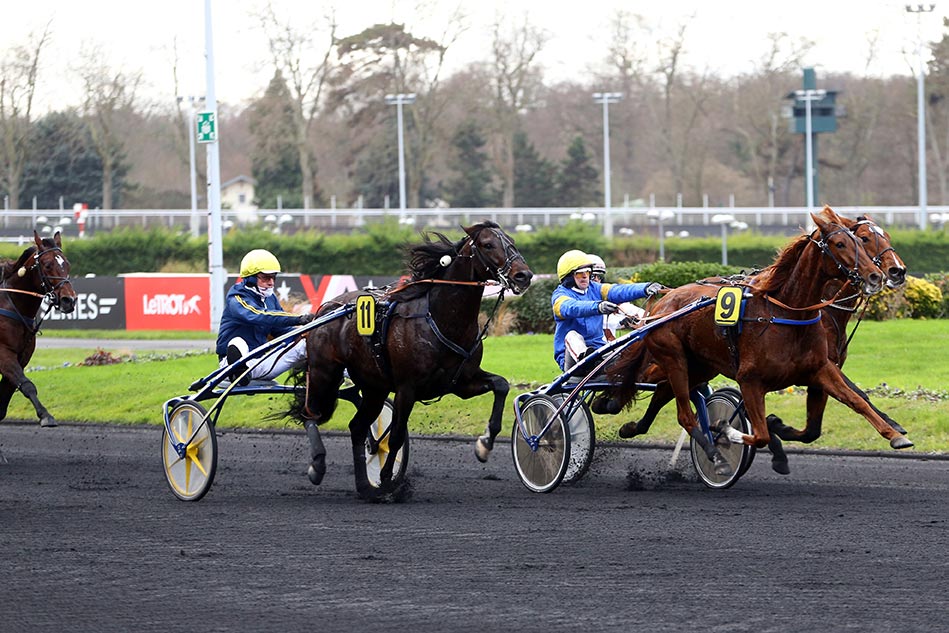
x: 93, y: 540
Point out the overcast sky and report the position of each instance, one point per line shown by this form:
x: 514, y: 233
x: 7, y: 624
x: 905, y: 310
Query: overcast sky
x: 723, y: 36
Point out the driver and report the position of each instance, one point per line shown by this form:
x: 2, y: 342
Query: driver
x: 253, y: 315
x: 579, y: 304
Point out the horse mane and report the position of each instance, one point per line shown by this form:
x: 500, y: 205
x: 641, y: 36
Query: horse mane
x: 423, y: 260
x: 9, y: 266
x: 777, y: 274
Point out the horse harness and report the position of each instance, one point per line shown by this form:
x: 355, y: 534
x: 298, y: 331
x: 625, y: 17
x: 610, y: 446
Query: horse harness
x: 387, y: 304
x: 49, y: 295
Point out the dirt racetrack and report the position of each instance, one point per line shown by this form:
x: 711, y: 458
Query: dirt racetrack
x: 93, y: 540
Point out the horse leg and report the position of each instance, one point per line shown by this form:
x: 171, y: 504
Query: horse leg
x: 479, y: 384
x: 367, y: 411
x: 321, y: 398
x: 398, y: 430
x: 13, y: 375
x: 753, y: 395
x: 836, y: 385
x: 678, y: 378
x: 893, y: 423
x: 816, y: 404
x: 7, y: 389
x: 660, y: 398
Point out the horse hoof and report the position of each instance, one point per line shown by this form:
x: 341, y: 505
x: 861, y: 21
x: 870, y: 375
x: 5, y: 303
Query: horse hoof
x: 900, y: 441
x: 627, y: 431
x: 722, y: 468
x: 482, y: 451
x: 316, y: 471
x: 48, y: 421
x: 780, y: 466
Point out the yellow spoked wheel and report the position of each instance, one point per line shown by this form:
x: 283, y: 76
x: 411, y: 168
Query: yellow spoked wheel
x: 377, y: 449
x: 190, y: 475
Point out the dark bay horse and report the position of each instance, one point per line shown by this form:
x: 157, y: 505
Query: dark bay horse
x: 41, y: 271
x: 835, y: 317
x: 781, y: 342
x: 428, y: 344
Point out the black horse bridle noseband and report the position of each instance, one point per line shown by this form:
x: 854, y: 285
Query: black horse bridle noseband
x: 511, y: 255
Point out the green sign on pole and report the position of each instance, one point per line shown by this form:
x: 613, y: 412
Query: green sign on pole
x: 207, y: 127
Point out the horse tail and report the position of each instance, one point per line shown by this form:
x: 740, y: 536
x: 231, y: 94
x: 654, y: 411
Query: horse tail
x: 297, y: 407
x: 624, y: 373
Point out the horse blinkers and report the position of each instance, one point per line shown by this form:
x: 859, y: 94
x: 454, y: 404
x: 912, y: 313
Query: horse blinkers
x: 53, y: 271
x: 498, y: 268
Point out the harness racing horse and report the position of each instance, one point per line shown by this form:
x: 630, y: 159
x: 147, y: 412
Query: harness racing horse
x: 781, y: 343
x: 835, y: 317
x: 428, y: 345
x: 41, y: 271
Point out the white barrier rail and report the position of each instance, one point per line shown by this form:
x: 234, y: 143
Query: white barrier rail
x: 15, y: 223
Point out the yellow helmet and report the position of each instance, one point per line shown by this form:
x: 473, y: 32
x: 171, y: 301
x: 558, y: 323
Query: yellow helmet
x: 259, y: 261
x: 570, y: 262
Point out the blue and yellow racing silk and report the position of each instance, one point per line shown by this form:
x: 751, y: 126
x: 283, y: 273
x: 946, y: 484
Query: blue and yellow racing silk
x: 576, y: 310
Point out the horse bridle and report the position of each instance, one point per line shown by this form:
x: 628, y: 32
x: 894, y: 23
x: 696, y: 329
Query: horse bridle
x: 877, y: 231
x: 853, y: 276
x: 511, y: 255
x: 46, y: 282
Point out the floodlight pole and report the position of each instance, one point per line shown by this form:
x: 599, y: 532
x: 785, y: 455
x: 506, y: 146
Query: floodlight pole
x: 919, y: 9
x: 807, y: 96
x: 398, y: 100
x: 607, y: 98
x: 189, y: 126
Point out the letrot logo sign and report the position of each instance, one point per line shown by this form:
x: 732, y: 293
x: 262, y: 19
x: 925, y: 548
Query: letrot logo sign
x: 171, y: 305
x: 167, y: 302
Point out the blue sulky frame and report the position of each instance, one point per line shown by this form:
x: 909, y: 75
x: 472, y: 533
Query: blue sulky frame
x: 556, y: 445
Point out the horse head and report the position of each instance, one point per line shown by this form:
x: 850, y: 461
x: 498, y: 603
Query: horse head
x: 877, y: 243
x: 495, y: 251
x: 847, y: 255
x: 50, y: 272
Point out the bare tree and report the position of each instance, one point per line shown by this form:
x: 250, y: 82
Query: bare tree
x: 108, y: 94
x: 515, y: 83
x: 390, y: 58
x: 18, y: 75
x: 292, y: 47
x: 762, y: 141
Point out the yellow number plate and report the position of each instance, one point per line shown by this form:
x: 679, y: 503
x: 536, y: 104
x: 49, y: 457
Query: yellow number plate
x: 728, y: 306
x: 365, y: 315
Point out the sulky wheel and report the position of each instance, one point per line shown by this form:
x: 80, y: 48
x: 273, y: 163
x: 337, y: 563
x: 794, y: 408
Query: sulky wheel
x: 724, y: 407
x: 582, y: 439
x: 191, y: 475
x: 541, y: 461
x: 377, y: 448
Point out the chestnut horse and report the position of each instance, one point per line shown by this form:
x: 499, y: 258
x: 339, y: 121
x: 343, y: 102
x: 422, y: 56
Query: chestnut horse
x: 41, y: 271
x: 835, y: 317
x: 781, y: 341
x: 427, y: 345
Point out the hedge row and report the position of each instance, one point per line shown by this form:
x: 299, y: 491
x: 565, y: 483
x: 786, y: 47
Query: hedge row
x: 378, y: 250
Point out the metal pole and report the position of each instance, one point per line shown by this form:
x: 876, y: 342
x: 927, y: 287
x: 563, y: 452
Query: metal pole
x: 215, y: 233
x: 194, y: 175
x: 607, y: 199
x: 607, y: 98
x: 921, y: 111
x: 398, y: 109
x: 809, y: 169
x: 398, y: 100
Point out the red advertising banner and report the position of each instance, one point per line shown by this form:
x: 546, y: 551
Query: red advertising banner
x: 167, y: 302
